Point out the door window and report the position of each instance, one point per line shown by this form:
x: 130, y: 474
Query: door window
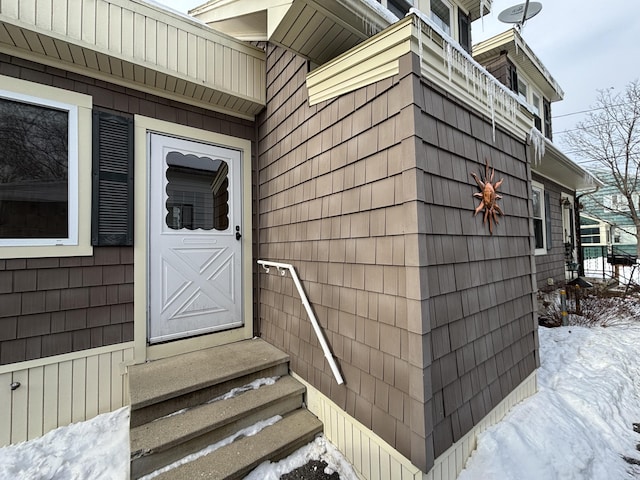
x: 197, y: 193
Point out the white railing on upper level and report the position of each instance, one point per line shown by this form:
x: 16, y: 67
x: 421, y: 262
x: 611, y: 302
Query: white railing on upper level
x: 282, y: 269
x: 445, y: 61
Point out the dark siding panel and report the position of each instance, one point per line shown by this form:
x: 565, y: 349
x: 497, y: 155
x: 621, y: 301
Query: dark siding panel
x: 464, y: 27
x: 547, y: 214
x: 112, y: 218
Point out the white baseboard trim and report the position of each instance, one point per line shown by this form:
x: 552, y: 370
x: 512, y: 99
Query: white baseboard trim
x: 375, y: 459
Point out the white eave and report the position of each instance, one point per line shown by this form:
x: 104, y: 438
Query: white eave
x: 139, y: 45
x: 523, y: 57
x: 559, y: 168
x: 319, y: 30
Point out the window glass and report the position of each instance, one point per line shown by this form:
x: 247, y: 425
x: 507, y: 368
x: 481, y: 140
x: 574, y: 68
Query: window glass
x: 34, y: 171
x: 538, y: 219
x: 441, y: 15
x: 522, y: 89
x: 398, y: 7
x: 198, y: 193
x: 535, y: 103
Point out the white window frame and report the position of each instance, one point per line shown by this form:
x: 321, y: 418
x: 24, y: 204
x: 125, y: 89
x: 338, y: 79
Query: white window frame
x: 536, y: 102
x: 527, y: 88
x: 449, y: 5
x: 78, y: 107
x: 540, y: 188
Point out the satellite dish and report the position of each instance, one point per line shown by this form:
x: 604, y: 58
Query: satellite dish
x: 520, y: 13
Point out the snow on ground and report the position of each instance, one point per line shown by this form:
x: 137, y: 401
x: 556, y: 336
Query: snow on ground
x: 95, y: 449
x: 319, y: 449
x: 579, y: 426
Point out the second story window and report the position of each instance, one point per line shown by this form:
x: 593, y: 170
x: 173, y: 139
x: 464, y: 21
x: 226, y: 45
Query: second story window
x: 398, y: 7
x: 536, y: 103
x: 522, y: 89
x: 441, y: 14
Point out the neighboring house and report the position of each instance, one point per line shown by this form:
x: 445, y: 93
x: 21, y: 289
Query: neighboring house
x: 596, y: 236
x: 609, y: 205
x: 554, y: 177
x: 342, y: 143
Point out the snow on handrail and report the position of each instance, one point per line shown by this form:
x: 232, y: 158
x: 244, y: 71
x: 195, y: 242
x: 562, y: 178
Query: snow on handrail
x: 282, y: 270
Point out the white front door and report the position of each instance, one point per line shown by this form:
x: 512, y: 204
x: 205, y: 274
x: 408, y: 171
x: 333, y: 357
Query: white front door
x: 194, y: 238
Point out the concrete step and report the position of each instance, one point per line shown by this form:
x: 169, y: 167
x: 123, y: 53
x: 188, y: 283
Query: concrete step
x: 164, y: 386
x: 161, y: 442
x: 240, y: 457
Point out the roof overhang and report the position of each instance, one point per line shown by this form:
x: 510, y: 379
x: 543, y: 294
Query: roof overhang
x: 476, y: 8
x: 523, y: 57
x: 139, y: 45
x: 559, y: 168
x: 319, y: 30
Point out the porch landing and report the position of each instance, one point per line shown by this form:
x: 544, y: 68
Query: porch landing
x: 174, y: 376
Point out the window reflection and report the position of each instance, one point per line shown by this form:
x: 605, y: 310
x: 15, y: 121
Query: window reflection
x: 34, y: 161
x: 198, y: 192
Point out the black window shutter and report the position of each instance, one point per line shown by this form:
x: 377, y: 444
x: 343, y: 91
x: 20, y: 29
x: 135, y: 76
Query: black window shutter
x: 464, y: 27
x: 546, y: 110
x: 112, y: 207
x: 514, y: 78
x: 547, y: 218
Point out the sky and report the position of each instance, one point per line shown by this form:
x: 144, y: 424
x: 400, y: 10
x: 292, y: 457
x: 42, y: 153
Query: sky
x: 585, y: 48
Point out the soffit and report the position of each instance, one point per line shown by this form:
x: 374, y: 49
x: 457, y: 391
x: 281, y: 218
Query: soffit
x: 524, y: 59
x: 139, y: 45
x: 476, y: 8
x: 556, y: 166
x: 318, y: 30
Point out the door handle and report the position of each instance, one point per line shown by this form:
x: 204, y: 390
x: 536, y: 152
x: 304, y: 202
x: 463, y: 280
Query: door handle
x: 238, y: 234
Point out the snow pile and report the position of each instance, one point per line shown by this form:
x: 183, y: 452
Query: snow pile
x: 95, y: 449
x: 320, y: 449
x: 580, y: 423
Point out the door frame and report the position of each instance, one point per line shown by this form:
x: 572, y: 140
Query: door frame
x: 143, y: 351
x: 568, y: 216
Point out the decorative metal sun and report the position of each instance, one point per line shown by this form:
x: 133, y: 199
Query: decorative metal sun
x: 488, y: 196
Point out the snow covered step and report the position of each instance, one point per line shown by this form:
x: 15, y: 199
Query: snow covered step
x: 161, y: 442
x: 236, y: 459
x: 164, y: 386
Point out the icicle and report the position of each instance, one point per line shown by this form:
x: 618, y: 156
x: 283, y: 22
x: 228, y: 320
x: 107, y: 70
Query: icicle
x: 466, y: 75
x: 493, y: 109
x: 448, y: 58
x: 538, y: 143
x: 420, y: 46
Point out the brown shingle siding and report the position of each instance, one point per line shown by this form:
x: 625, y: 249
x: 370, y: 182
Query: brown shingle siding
x: 378, y: 198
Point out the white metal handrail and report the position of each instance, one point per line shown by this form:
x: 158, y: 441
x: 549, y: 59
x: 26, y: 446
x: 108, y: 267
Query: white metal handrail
x: 282, y: 269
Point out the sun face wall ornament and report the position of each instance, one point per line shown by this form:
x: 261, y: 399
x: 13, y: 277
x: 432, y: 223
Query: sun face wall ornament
x: 488, y: 196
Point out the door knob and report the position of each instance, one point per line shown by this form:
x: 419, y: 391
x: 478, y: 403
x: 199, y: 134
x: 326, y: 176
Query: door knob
x: 238, y: 234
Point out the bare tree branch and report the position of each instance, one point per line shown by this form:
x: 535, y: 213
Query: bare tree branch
x: 607, y: 141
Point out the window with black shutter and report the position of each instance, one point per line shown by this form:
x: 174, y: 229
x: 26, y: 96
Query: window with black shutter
x: 464, y: 27
x: 547, y: 219
x: 546, y: 107
x: 112, y: 206
x: 513, y: 77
